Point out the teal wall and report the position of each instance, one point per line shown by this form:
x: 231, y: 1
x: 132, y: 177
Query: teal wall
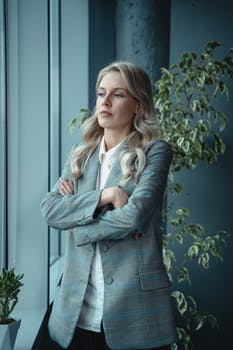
x: 208, y: 192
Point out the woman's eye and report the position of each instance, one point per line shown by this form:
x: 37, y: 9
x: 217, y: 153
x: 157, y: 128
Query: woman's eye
x: 119, y: 95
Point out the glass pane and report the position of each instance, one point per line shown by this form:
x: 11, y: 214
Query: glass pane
x: 55, y: 123
x: 3, y: 132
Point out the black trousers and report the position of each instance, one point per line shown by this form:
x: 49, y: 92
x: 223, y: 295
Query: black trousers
x: 88, y: 340
x: 82, y: 340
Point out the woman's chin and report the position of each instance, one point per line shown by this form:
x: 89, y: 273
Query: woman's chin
x: 105, y: 123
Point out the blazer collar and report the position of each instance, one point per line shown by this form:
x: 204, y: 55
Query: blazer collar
x: 91, y: 173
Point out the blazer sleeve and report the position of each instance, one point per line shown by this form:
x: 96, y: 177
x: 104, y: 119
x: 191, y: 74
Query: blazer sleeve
x: 143, y: 203
x: 69, y: 211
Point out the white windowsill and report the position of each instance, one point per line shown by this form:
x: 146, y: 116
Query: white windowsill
x: 31, y: 319
x: 30, y: 324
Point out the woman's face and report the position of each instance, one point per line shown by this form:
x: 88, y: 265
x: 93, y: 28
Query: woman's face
x: 115, y: 107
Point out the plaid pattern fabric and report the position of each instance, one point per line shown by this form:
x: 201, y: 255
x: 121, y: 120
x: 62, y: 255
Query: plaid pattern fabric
x: 137, y: 307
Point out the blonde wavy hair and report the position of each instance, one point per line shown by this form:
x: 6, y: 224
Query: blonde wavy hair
x: 145, y: 128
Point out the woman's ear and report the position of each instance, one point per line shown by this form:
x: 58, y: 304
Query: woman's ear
x: 137, y: 108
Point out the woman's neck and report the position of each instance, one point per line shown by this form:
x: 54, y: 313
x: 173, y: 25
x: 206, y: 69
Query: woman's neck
x: 111, y: 140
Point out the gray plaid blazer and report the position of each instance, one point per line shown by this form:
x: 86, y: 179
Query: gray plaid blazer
x: 137, y: 307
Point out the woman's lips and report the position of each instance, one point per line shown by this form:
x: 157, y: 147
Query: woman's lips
x: 105, y: 113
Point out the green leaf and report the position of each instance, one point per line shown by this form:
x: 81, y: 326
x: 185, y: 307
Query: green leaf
x: 193, y: 301
x: 186, y: 146
x: 193, y: 251
x: 183, y: 212
x: 183, y: 337
x: 179, y: 238
x: 181, y: 301
x: 200, y: 324
x: 203, y: 260
x: 177, y: 188
x: 183, y: 275
x: 213, y: 45
x: 77, y: 122
x: 197, y: 147
x: 72, y: 124
x: 213, y: 321
x: 174, y: 346
x: 175, y: 222
x: 180, y: 141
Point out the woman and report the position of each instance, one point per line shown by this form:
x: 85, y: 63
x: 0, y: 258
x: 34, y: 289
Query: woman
x: 114, y: 291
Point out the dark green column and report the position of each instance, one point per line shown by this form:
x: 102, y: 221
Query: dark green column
x: 142, y: 33
x: 101, y: 40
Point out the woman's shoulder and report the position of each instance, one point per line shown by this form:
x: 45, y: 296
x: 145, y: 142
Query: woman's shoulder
x: 159, y: 146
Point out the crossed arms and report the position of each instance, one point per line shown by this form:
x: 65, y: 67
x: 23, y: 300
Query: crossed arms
x: 65, y: 210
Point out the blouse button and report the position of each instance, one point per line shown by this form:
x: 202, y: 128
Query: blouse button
x: 108, y: 280
x: 104, y: 247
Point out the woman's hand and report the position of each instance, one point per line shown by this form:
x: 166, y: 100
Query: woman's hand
x: 115, y: 195
x: 118, y: 197
x: 137, y: 236
x: 66, y: 187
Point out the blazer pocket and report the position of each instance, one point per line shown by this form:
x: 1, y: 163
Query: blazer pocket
x: 153, y: 279
x: 60, y: 280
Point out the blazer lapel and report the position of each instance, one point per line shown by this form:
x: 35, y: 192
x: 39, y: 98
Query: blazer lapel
x: 115, y: 176
x: 88, y: 181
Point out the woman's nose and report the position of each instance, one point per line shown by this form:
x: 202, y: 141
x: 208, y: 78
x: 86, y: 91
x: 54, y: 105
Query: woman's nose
x: 106, y: 100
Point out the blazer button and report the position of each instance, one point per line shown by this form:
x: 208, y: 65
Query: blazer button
x: 89, y: 248
x: 104, y: 247
x: 108, y: 280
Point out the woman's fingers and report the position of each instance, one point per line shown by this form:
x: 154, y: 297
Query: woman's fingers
x: 114, y: 195
x: 66, y: 187
x: 120, y: 197
x: 137, y: 236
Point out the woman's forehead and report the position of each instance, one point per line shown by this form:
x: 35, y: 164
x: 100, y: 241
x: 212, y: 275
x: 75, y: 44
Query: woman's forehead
x: 112, y: 79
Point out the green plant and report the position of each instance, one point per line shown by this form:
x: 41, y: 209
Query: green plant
x: 10, y: 284
x: 191, y: 123
x: 85, y: 114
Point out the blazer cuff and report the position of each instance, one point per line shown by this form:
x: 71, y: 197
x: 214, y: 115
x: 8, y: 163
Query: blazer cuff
x: 89, y: 214
x: 82, y: 236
